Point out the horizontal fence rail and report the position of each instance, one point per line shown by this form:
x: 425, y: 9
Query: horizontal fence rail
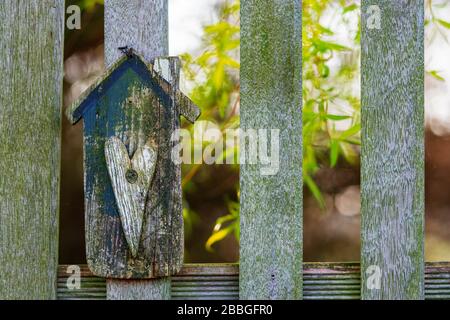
x: 321, y: 281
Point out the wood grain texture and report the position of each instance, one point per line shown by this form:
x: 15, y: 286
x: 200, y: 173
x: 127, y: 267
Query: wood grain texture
x: 392, y: 155
x: 169, y: 69
x: 271, y: 206
x: 31, y: 42
x: 130, y: 182
x: 155, y: 289
x: 139, y: 24
x: 142, y: 25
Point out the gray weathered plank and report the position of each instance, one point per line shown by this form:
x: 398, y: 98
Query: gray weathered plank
x: 142, y: 25
x: 271, y: 206
x: 392, y: 155
x: 31, y: 42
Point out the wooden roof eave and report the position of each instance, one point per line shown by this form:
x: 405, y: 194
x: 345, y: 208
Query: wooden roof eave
x: 187, y: 108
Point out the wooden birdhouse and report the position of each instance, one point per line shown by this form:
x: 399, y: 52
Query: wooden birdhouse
x: 133, y: 199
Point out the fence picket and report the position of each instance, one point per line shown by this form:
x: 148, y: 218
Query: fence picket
x: 392, y: 155
x: 271, y: 205
x: 31, y: 42
x: 143, y: 26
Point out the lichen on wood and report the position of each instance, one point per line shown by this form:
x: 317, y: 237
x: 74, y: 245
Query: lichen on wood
x: 142, y: 25
x: 271, y: 206
x: 392, y: 155
x: 139, y: 24
x: 31, y: 65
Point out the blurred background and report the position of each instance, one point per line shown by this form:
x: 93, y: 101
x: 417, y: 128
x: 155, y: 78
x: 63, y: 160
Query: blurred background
x: 205, y: 33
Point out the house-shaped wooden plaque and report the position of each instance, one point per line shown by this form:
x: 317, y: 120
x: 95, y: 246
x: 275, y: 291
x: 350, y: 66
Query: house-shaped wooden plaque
x: 133, y: 199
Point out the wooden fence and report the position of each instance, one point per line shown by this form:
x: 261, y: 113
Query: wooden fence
x: 324, y: 281
x: 271, y: 266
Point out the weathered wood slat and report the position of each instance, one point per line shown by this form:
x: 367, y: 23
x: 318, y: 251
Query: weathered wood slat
x: 31, y: 42
x: 392, y: 154
x: 143, y: 25
x: 335, y: 281
x: 271, y: 205
x: 140, y: 24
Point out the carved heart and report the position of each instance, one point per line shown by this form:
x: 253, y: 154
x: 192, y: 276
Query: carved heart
x: 131, y: 181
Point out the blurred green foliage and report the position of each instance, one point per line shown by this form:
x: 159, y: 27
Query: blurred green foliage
x: 331, y: 95
x: 216, y: 91
x: 89, y: 4
x: 214, y: 77
x: 231, y: 220
x: 435, y: 26
x: 215, y: 72
x: 85, y: 5
x: 331, y: 109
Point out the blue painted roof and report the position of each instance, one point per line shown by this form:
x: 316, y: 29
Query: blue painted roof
x: 145, y: 71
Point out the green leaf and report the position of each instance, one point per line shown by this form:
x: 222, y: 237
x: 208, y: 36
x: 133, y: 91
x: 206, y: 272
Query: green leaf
x: 324, y: 70
x: 350, y: 132
x: 220, y: 221
x: 203, y: 59
x: 350, y: 8
x: 237, y: 231
x: 358, y: 33
x: 218, y: 236
x: 350, y: 153
x: 443, y: 23
x: 324, y: 30
x: 435, y: 74
x: 356, y: 142
x: 334, y: 152
x: 231, y: 62
x: 323, y: 46
x: 314, y: 190
x: 219, y: 74
x: 336, y: 117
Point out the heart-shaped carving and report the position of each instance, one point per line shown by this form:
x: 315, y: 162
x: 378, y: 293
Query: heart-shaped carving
x: 131, y: 181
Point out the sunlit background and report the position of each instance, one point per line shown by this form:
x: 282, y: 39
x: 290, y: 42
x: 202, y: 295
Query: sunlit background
x: 205, y: 33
